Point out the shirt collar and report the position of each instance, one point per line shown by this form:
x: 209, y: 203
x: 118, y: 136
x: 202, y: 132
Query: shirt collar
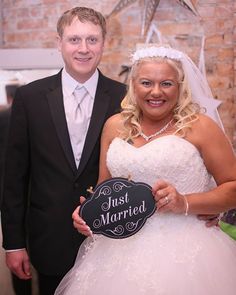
x: 69, y: 84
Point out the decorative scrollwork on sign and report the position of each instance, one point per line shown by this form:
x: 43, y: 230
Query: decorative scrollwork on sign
x: 96, y: 223
x: 118, y: 231
x: 105, y: 191
x: 118, y: 186
x: 131, y: 226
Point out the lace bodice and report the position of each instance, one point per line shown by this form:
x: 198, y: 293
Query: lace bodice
x: 170, y: 157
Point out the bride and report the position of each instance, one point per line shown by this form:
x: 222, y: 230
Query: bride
x: 162, y: 138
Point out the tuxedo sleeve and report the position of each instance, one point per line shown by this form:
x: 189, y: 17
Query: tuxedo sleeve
x: 16, y: 178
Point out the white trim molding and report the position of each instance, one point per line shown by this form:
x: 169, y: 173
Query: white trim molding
x: 30, y: 58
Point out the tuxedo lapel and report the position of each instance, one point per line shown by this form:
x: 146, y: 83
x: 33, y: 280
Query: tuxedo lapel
x: 101, y: 104
x: 55, y: 101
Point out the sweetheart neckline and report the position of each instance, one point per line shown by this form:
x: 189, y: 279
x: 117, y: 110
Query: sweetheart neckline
x: 156, y: 139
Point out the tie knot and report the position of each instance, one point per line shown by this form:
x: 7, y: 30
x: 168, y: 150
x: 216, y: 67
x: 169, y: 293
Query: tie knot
x: 80, y: 93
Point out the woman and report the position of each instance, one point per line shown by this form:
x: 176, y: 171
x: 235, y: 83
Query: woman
x: 162, y: 138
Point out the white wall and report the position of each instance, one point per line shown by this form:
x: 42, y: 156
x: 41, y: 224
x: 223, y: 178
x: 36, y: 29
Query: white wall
x: 21, y: 66
x: 20, y: 77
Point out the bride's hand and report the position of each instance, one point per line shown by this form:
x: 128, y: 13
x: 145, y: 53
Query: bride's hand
x: 79, y: 223
x: 167, y: 198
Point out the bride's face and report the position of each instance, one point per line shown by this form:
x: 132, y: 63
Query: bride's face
x: 156, y: 89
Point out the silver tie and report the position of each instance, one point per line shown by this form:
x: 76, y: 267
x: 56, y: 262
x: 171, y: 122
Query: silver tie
x: 79, y: 95
x: 79, y: 123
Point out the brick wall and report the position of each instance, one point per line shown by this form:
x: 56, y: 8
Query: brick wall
x: 31, y: 24
x: 234, y: 87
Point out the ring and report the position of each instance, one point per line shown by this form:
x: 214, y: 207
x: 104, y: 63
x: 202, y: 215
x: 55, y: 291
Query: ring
x: 167, y: 200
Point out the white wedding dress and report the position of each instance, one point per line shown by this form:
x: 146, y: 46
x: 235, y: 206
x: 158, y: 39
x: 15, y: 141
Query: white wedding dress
x: 172, y: 254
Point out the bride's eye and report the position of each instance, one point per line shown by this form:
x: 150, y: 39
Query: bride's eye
x: 167, y: 84
x: 146, y: 83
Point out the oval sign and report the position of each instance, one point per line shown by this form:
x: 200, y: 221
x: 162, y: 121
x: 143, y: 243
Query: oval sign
x: 118, y: 207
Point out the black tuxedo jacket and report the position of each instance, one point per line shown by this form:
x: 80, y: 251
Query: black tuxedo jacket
x: 4, y: 123
x: 41, y: 178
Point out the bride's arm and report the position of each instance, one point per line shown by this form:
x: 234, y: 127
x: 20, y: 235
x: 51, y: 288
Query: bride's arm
x: 220, y: 161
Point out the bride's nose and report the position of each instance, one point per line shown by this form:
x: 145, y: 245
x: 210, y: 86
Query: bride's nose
x: 156, y: 90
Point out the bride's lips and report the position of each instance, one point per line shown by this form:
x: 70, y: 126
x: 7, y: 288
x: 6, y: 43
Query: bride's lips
x: 156, y: 103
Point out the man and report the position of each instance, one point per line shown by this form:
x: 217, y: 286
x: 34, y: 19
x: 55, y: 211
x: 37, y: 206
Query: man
x: 53, y: 152
x: 5, y: 111
x: 21, y: 287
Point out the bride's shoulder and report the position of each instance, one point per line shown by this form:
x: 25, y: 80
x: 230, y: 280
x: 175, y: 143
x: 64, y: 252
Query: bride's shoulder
x: 204, y: 131
x: 112, y: 127
x: 206, y: 125
x: 114, y: 121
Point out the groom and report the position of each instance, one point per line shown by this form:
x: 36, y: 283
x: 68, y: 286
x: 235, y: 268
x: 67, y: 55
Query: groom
x: 50, y: 161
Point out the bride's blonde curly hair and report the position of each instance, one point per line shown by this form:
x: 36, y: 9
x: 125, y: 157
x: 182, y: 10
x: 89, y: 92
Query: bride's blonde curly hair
x: 185, y: 112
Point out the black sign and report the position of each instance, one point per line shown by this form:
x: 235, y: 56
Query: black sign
x: 118, y: 207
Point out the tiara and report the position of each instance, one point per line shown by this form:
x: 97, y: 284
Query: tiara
x: 153, y: 51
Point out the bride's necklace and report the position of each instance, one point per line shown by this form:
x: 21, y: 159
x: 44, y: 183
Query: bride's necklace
x: 147, y: 138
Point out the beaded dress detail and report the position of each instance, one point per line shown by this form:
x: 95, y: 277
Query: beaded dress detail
x: 172, y: 254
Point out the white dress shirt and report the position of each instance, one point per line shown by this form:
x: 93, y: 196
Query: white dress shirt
x: 68, y: 87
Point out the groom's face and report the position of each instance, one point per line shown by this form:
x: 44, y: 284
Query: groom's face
x: 81, y: 46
